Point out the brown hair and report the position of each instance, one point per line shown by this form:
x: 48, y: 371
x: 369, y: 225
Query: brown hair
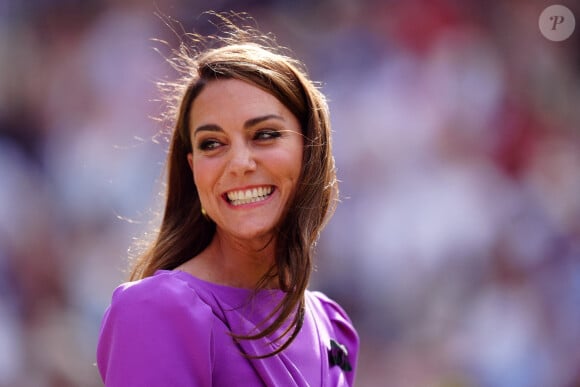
x: 245, y: 54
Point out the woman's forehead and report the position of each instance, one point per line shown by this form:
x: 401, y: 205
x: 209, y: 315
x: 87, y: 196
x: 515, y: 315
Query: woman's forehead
x: 232, y: 99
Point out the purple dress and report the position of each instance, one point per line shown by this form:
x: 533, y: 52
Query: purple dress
x: 171, y: 329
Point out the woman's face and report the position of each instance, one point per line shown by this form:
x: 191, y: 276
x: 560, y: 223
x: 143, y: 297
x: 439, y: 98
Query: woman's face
x: 246, y: 158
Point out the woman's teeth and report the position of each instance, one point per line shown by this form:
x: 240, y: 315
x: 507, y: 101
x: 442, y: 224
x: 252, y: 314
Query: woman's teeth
x: 253, y: 195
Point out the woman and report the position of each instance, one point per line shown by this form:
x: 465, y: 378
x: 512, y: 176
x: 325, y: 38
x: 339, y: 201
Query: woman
x: 220, y: 298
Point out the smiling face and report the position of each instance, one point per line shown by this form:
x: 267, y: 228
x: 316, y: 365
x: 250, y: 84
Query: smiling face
x: 246, y: 158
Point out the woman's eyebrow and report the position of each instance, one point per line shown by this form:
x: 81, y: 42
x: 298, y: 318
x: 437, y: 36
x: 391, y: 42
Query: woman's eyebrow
x: 248, y: 124
x: 207, y: 128
x: 255, y: 121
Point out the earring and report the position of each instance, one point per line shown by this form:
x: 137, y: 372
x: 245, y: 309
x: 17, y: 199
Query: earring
x: 204, y: 213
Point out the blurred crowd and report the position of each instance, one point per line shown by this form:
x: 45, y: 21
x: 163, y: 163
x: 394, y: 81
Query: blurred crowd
x: 456, y: 245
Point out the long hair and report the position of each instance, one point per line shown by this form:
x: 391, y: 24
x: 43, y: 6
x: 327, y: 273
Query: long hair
x: 243, y: 53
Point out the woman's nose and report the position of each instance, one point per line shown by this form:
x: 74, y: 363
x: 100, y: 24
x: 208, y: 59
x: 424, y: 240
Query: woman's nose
x: 241, y: 159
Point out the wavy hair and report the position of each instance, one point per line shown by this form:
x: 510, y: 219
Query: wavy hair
x: 244, y: 53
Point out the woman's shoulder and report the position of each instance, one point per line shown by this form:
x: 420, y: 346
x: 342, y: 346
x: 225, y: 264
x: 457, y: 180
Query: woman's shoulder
x: 165, y: 291
x: 337, y: 320
x: 329, y: 307
x: 326, y: 309
x: 156, y: 331
x: 336, y: 326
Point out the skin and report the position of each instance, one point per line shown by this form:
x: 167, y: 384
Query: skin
x: 242, y: 138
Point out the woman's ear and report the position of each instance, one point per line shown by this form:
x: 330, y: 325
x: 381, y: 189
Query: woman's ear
x: 190, y: 160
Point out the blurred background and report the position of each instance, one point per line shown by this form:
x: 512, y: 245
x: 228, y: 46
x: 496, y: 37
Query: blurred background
x: 455, y: 249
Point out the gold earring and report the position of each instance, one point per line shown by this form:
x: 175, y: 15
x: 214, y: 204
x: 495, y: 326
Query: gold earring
x: 204, y: 213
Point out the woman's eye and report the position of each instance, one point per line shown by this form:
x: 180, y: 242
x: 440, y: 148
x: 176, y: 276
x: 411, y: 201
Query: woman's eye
x: 267, y: 134
x: 207, y: 145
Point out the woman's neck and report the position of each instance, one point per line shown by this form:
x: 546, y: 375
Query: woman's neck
x: 233, y: 262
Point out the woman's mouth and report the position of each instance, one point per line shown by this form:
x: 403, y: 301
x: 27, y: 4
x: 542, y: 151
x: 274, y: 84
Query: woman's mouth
x: 250, y: 195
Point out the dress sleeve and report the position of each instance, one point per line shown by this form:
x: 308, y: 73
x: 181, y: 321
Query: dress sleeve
x: 157, y: 332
